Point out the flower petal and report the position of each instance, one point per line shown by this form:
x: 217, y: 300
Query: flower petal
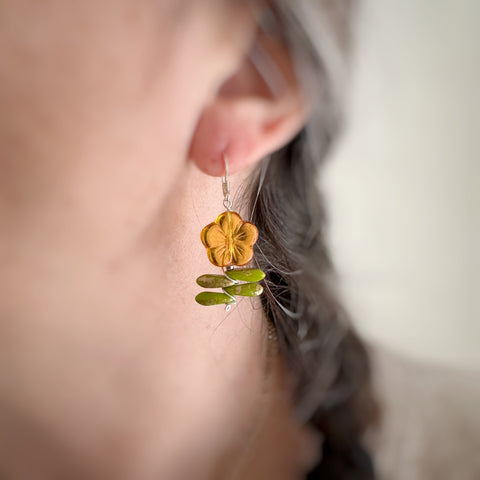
x: 242, y: 254
x: 229, y: 222
x: 247, y: 234
x: 219, y: 256
x: 212, y: 236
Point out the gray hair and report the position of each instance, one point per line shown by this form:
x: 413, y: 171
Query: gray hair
x: 328, y: 361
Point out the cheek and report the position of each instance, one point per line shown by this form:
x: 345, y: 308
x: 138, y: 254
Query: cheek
x: 97, y: 111
x: 96, y: 369
x: 100, y: 101
x: 96, y: 119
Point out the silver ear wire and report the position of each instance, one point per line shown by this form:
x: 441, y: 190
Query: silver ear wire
x: 227, y: 202
x: 228, y: 307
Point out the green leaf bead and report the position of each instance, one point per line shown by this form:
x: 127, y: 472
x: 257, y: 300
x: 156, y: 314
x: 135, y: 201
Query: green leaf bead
x: 245, y: 289
x: 213, y: 298
x: 214, y: 281
x: 246, y: 274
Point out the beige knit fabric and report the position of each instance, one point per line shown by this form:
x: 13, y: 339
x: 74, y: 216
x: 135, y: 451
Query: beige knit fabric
x: 431, y: 420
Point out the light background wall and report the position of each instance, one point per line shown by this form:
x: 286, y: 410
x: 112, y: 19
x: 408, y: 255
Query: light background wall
x: 404, y: 184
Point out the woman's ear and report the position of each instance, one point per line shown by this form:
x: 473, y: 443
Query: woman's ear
x: 256, y: 111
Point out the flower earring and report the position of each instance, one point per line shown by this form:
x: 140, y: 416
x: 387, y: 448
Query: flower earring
x: 229, y: 241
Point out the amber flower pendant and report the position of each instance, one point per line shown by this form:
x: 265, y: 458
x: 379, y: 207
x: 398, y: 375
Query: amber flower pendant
x: 229, y: 241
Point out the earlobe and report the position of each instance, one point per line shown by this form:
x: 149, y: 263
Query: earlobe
x: 246, y: 120
x: 223, y: 130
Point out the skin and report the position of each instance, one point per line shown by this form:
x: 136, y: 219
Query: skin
x: 113, y: 122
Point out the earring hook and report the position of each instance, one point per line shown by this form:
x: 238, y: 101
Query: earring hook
x: 227, y: 202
